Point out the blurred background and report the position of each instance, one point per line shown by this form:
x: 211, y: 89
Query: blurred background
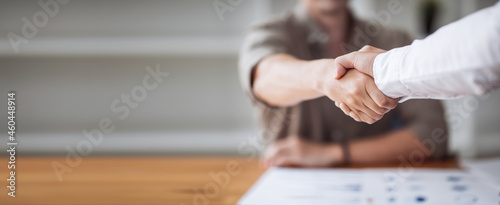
x: 89, y: 54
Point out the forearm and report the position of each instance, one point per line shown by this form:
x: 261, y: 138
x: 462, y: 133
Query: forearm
x: 283, y: 80
x: 458, y: 59
x: 386, y: 148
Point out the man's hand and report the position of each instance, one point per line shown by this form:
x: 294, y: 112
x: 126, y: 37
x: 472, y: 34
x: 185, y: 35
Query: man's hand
x: 361, y: 60
x: 356, y: 94
x: 293, y: 151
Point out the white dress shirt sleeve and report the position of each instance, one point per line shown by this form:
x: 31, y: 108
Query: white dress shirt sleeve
x: 459, y: 59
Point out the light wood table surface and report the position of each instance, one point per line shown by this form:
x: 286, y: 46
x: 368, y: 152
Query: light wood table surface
x: 138, y: 180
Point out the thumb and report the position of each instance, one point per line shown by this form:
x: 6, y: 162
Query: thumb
x: 343, y: 63
x: 340, y: 71
x: 361, y: 61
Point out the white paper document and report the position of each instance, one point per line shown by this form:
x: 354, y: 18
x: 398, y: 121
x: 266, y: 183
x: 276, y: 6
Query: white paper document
x: 487, y: 169
x: 369, y: 186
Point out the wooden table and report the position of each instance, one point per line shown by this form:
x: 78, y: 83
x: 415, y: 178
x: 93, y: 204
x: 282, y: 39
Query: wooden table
x: 138, y: 180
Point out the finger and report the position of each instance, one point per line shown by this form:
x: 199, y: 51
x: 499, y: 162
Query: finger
x: 337, y: 104
x: 282, y: 152
x: 360, y: 107
x: 359, y: 114
x: 379, y: 98
x: 353, y: 105
x: 355, y: 110
x: 345, y: 109
x: 367, y: 119
x: 271, y: 152
x: 341, y: 70
x: 370, y: 104
x: 283, y: 161
x: 371, y: 116
x: 374, y: 94
x: 355, y: 116
x: 367, y: 111
x: 270, y: 161
x: 266, y: 160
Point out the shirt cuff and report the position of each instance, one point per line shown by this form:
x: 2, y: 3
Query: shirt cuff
x: 386, y: 73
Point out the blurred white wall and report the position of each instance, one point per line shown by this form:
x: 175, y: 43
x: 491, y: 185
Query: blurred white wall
x: 91, y: 52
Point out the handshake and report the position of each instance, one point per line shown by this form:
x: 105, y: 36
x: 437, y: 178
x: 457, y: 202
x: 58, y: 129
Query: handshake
x: 354, y: 91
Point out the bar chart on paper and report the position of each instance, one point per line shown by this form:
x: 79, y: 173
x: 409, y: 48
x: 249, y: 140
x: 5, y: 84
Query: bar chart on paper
x: 369, y: 186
